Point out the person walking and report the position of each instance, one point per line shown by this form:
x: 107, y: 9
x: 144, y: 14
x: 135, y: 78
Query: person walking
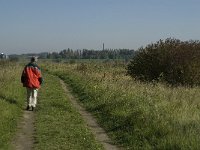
x: 32, y: 79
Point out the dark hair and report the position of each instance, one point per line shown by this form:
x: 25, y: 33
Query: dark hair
x: 33, y: 59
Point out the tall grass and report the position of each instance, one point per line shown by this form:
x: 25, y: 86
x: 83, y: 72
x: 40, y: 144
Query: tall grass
x: 11, y: 101
x: 136, y: 115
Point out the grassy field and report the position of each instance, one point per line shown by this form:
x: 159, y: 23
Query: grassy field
x: 11, y: 101
x: 135, y: 115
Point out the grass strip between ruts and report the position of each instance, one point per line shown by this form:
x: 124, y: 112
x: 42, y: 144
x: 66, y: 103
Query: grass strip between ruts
x: 58, y: 124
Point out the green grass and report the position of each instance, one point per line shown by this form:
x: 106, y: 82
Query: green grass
x: 58, y: 125
x: 12, y: 98
x: 136, y: 115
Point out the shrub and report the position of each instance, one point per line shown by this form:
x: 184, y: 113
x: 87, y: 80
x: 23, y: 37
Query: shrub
x: 173, y: 61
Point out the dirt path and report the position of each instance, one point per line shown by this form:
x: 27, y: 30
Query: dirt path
x: 98, y: 132
x: 24, y: 138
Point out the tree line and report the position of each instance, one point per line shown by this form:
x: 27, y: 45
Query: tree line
x: 92, y: 54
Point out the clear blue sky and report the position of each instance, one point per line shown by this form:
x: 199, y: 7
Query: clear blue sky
x: 53, y: 25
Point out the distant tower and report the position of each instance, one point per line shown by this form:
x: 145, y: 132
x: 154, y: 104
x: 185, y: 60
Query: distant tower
x: 103, y: 46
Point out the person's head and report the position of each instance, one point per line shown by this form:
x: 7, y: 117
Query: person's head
x: 33, y: 59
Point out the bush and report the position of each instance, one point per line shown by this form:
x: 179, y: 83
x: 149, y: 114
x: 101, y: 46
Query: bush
x: 173, y: 61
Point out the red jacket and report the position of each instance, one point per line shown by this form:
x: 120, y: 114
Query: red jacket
x: 31, y: 76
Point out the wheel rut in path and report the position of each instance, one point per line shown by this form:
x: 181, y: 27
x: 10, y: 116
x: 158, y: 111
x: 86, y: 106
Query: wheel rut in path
x: 98, y: 132
x: 24, y: 138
